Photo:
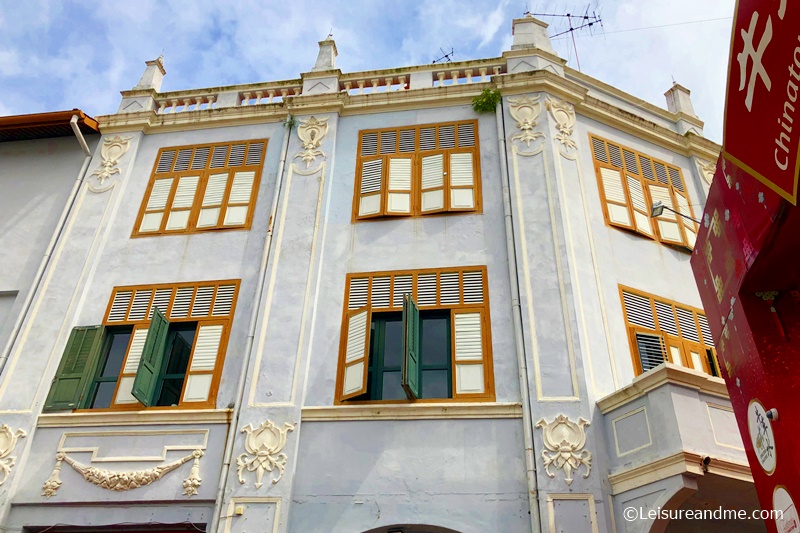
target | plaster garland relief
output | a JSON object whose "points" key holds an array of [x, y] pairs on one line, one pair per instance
{"points": [[8, 441], [111, 152], [565, 441], [311, 133], [564, 115], [525, 110], [264, 445], [124, 480]]}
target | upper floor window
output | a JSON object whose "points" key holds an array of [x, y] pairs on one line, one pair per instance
{"points": [[416, 335], [631, 182], [202, 187], [660, 330], [159, 345], [418, 170]]}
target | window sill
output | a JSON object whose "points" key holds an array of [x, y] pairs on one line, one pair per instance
{"points": [[418, 411], [135, 418]]}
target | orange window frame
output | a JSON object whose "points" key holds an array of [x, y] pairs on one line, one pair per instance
{"points": [[648, 171], [462, 307], [683, 344], [208, 319], [416, 177], [203, 174]]}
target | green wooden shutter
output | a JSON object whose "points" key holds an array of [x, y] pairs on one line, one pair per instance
{"points": [[76, 370], [412, 369], [144, 384]]}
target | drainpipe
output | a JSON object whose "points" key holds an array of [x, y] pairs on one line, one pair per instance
{"points": [[37, 280], [248, 349], [516, 312]]}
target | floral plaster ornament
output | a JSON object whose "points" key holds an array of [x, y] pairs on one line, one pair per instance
{"points": [[264, 445]]}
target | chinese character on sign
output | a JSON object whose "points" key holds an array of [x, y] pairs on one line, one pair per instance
{"points": [[748, 52]]}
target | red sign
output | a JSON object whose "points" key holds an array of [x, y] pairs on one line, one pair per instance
{"points": [[762, 111]]}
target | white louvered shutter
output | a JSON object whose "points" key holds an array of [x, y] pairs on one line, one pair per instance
{"points": [[689, 226], [379, 295], [183, 298], [204, 360], [462, 181], [212, 199], [156, 204], [433, 183], [616, 201], [239, 199], [426, 290], [135, 351], [473, 287], [469, 352], [641, 206], [356, 357], [202, 301], [182, 203], [119, 307], [140, 305], [402, 285], [398, 201], [369, 201], [669, 229], [638, 310], [223, 302], [449, 290]]}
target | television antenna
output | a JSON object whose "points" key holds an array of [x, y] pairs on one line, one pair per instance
{"points": [[445, 57], [574, 23]]}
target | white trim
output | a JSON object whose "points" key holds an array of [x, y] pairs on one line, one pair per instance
{"points": [[551, 508], [134, 418], [413, 411], [647, 423]]}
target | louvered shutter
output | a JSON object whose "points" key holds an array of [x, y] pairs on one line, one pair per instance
{"points": [[433, 183], [212, 200], [144, 385], [205, 356], [239, 199], [411, 378], [156, 205], [356, 353], [690, 228], [128, 374], [651, 350], [76, 370], [615, 199], [469, 360], [370, 188], [182, 203], [640, 206], [669, 229], [462, 181], [398, 198], [697, 357]]}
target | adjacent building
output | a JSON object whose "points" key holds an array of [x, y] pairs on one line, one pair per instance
{"points": [[351, 302]]}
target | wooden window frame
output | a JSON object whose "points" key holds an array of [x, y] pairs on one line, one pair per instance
{"points": [[487, 360], [203, 176], [416, 171], [684, 344], [207, 320], [637, 173]]}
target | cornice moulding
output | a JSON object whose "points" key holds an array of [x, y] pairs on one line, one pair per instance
{"points": [[135, 418], [419, 411], [683, 462], [669, 374]]}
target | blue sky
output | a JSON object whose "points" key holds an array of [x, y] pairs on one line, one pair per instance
{"points": [[61, 54]]}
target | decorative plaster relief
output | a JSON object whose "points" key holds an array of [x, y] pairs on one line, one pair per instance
{"points": [[565, 439], [264, 444], [113, 149], [311, 133], [707, 171], [525, 110], [564, 115], [8, 441], [125, 480]]}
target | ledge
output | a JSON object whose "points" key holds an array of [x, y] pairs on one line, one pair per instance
{"points": [[135, 418], [683, 462], [664, 374], [419, 411]]}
